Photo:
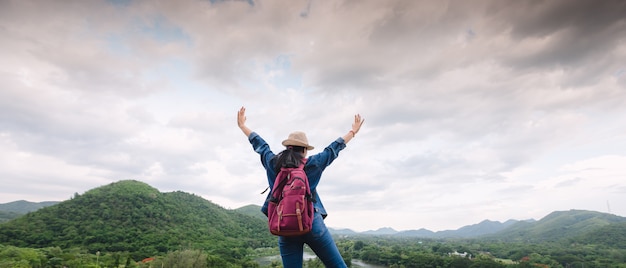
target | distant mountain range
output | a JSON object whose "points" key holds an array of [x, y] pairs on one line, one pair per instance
{"points": [[576, 225], [15, 209], [483, 228], [475, 230], [580, 226], [23, 206]]}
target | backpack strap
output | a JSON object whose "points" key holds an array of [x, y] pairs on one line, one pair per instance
{"points": [[265, 190], [281, 180], [279, 183], [313, 196]]}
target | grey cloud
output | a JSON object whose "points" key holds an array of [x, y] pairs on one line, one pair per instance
{"points": [[578, 33], [572, 34], [454, 94], [543, 18], [78, 132], [397, 41]]}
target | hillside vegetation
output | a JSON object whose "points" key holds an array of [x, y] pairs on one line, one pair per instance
{"points": [[123, 223], [15, 209], [574, 238], [558, 226], [253, 211], [23, 206], [612, 235], [131, 216], [7, 216]]}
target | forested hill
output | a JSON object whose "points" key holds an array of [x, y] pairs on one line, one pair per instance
{"points": [[252, 210], [135, 217], [572, 225]]}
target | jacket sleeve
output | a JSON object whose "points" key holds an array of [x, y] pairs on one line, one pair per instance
{"points": [[317, 163], [263, 149]]}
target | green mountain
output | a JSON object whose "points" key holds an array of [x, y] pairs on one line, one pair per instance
{"points": [[132, 216], [8, 215], [12, 210], [253, 211], [559, 226], [612, 235], [23, 206]]}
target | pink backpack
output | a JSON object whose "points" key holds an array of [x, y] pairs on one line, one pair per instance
{"points": [[290, 208]]}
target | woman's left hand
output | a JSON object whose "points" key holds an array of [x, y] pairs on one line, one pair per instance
{"points": [[241, 117]]}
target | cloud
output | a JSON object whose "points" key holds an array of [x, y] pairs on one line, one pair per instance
{"points": [[473, 110]]}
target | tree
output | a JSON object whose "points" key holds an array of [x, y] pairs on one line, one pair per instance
{"points": [[483, 261], [185, 258]]}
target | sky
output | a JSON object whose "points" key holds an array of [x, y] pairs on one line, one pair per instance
{"points": [[474, 110]]}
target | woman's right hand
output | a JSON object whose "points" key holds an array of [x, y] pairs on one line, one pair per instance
{"points": [[358, 122], [241, 121], [356, 126]]}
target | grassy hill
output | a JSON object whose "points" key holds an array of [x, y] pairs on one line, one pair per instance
{"points": [[131, 216]]}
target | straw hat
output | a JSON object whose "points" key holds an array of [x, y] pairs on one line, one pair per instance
{"points": [[298, 138]]}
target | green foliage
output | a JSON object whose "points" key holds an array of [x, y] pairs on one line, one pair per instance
{"points": [[124, 223], [313, 263], [22, 207], [412, 252], [8, 215], [252, 210], [130, 216], [387, 252], [184, 258], [557, 226], [346, 249], [484, 261], [612, 235], [12, 210], [11, 256]]}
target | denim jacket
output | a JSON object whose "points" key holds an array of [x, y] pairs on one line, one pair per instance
{"points": [[314, 166]]}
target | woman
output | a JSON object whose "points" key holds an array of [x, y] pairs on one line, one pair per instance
{"points": [[297, 145]]}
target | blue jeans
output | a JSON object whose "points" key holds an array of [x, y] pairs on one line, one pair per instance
{"points": [[319, 240]]}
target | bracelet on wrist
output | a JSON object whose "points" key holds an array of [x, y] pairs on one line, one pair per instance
{"points": [[353, 133]]}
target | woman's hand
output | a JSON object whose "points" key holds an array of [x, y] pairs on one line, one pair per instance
{"points": [[241, 121], [358, 122], [356, 126], [241, 117]]}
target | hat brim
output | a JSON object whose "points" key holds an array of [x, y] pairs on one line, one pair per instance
{"points": [[297, 143]]}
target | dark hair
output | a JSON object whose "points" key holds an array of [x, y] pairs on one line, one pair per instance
{"points": [[289, 158]]}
